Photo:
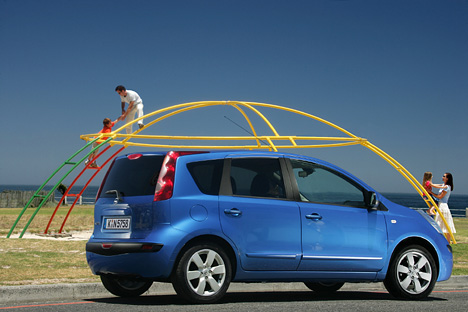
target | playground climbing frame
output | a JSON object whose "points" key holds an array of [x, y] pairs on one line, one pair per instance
{"points": [[272, 142]]}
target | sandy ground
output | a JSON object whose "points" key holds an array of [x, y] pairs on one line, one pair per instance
{"points": [[82, 235]]}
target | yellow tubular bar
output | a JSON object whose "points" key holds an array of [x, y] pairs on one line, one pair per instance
{"points": [[294, 141], [263, 137], [261, 116], [417, 186], [249, 122], [248, 147]]}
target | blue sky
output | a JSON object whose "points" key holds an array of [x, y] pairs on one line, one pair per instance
{"points": [[394, 72]]}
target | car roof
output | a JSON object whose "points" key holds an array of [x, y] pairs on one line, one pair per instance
{"points": [[236, 153], [218, 154]]}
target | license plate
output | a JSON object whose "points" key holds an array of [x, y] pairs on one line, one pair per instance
{"points": [[117, 224]]}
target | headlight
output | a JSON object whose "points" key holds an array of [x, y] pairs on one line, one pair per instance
{"points": [[431, 221]]}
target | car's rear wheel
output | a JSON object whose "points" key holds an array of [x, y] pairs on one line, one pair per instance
{"points": [[324, 287], [125, 287], [203, 274], [412, 274]]}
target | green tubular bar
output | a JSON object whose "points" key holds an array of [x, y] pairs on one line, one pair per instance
{"points": [[45, 197]]}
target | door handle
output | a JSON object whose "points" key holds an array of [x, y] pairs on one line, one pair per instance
{"points": [[314, 216], [233, 212]]}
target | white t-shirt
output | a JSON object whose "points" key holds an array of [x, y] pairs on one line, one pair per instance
{"points": [[131, 96]]}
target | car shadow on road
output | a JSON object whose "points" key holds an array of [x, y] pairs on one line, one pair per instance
{"points": [[246, 297]]}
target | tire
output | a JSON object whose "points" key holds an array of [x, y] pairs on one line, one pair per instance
{"points": [[125, 287], [412, 274], [203, 274], [324, 288]]}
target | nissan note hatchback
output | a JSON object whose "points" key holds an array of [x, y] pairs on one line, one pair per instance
{"points": [[201, 220]]}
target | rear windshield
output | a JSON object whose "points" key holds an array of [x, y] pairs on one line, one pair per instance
{"points": [[135, 177]]}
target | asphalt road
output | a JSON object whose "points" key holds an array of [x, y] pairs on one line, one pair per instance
{"points": [[257, 297], [265, 301]]}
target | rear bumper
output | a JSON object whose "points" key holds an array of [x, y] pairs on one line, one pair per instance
{"points": [[117, 248]]}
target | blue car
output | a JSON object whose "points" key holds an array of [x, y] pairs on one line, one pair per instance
{"points": [[201, 220]]}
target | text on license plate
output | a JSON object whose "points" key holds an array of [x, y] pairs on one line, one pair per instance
{"points": [[117, 224]]}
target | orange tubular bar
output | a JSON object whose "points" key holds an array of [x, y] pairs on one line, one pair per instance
{"points": [[89, 181]]}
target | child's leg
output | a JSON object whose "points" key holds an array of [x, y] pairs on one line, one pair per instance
{"points": [[91, 156]]}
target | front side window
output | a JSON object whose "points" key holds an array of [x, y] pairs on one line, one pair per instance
{"points": [[257, 177], [320, 184]]}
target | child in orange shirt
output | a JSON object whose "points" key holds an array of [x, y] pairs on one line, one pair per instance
{"points": [[108, 124]]}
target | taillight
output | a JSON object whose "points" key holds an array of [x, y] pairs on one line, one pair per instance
{"points": [[165, 185], [106, 246]]}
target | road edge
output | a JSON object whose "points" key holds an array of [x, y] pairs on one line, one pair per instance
{"points": [[58, 292]]}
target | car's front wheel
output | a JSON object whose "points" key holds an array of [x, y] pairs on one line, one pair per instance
{"points": [[412, 274], [125, 287], [203, 274], [324, 287]]}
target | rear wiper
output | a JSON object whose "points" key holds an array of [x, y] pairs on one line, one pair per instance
{"points": [[117, 196]]}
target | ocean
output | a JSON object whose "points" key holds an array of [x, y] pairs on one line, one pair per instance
{"points": [[457, 203]]}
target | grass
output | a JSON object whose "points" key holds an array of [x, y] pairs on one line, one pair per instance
{"points": [[80, 219], [39, 261], [460, 250]]}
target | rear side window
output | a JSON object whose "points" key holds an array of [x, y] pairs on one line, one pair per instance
{"points": [[257, 177], [207, 175], [133, 177]]}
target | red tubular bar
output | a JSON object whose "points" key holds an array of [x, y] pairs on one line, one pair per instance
{"points": [[71, 185], [89, 181]]}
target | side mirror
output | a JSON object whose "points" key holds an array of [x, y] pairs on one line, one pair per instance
{"points": [[306, 172], [373, 203]]}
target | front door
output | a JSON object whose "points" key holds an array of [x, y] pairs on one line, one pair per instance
{"points": [[339, 233]]}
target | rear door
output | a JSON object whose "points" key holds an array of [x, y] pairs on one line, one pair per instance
{"points": [[124, 208], [257, 215]]}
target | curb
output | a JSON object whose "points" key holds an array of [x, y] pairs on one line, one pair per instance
{"points": [[58, 292]]}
